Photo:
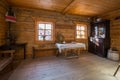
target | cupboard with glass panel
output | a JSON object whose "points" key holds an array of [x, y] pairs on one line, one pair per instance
{"points": [[99, 40]]}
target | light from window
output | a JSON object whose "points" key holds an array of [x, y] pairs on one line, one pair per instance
{"points": [[80, 31], [45, 31]]}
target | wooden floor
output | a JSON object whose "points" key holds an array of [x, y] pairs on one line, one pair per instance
{"points": [[86, 67]]}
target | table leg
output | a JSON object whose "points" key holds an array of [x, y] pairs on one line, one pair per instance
{"points": [[33, 53], [57, 53], [24, 52]]}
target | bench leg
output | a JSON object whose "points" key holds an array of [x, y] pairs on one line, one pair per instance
{"points": [[11, 65]]}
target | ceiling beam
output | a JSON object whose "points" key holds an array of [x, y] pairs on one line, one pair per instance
{"points": [[68, 6]]}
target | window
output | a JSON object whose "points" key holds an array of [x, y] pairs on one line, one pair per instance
{"points": [[81, 31], [44, 31]]}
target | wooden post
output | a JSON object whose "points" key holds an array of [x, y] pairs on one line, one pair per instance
{"points": [[117, 70]]}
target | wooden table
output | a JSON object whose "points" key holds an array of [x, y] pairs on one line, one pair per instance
{"points": [[14, 46], [71, 48]]}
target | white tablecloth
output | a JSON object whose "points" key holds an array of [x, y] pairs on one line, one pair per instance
{"points": [[70, 45]]}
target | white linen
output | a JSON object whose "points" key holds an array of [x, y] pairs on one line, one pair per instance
{"points": [[70, 45]]}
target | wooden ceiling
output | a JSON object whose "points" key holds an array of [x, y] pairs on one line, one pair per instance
{"points": [[77, 7]]}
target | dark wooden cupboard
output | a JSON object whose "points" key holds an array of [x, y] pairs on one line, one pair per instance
{"points": [[99, 40]]}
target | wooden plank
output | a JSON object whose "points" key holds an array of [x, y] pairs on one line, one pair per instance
{"points": [[78, 7], [3, 24], [68, 7]]}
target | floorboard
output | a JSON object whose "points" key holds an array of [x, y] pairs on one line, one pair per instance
{"points": [[86, 67]]}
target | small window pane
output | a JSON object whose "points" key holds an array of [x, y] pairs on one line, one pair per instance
{"points": [[82, 36], [48, 32], [78, 36], [41, 26], [82, 28], [77, 28], [48, 26], [40, 37], [40, 32], [78, 32], [82, 33], [48, 38]]}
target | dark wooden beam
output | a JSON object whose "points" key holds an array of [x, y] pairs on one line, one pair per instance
{"points": [[68, 7]]}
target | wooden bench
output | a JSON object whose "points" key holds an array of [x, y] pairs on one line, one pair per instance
{"points": [[42, 49], [6, 58]]}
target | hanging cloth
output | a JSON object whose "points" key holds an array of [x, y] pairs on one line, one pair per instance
{"points": [[10, 16]]}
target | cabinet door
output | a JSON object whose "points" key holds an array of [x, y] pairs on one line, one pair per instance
{"points": [[100, 49], [91, 47], [100, 30]]}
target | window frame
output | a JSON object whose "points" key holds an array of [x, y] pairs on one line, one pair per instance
{"points": [[86, 30], [36, 32]]}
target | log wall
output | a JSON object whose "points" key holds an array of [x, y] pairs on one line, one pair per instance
{"points": [[3, 23], [114, 27], [25, 31]]}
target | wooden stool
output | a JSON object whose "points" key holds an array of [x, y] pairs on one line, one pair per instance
{"points": [[117, 70]]}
